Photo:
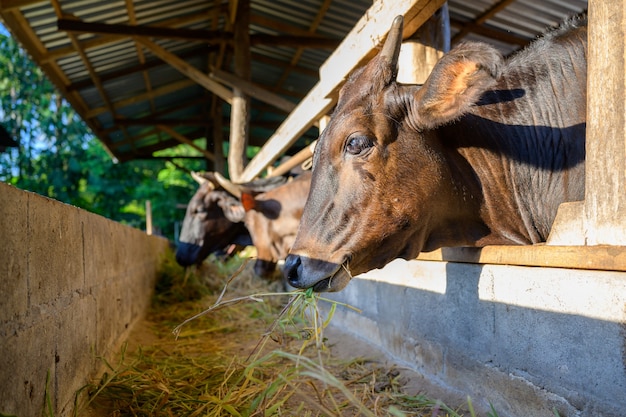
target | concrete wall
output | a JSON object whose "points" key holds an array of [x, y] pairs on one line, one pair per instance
{"points": [[526, 339], [72, 284]]}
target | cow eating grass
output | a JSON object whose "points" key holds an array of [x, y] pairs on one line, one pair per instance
{"points": [[483, 153], [272, 219], [214, 218], [264, 213]]}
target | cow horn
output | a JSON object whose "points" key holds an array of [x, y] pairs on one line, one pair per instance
{"points": [[199, 178], [391, 48], [228, 185]]}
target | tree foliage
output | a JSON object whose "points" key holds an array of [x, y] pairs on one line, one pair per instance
{"points": [[59, 157]]}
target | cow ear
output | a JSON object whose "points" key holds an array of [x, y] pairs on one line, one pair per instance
{"points": [[248, 201], [457, 82]]}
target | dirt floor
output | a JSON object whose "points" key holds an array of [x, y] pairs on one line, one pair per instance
{"points": [[252, 358]]}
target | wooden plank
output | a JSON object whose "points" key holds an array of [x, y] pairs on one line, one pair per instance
{"points": [[187, 70], [366, 35], [604, 258], [605, 169]]}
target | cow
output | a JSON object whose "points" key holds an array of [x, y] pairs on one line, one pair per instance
{"points": [[272, 219], [483, 153], [214, 218]]}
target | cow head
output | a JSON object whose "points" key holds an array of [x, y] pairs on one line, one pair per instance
{"points": [[380, 187], [272, 218], [213, 221]]}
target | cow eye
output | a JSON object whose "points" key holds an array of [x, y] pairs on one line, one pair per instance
{"points": [[358, 144]]}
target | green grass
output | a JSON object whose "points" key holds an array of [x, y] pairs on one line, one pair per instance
{"points": [[242, 347]]}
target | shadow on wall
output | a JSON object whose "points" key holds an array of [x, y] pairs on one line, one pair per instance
{"points": [[494, 332]]}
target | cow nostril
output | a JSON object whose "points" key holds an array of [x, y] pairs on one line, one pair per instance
{"points": [[291, 268]]}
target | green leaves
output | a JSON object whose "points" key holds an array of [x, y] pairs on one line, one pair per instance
{"points": [[59, 157]]}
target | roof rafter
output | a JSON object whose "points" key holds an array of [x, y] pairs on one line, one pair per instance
{"points": [[197, 35]]}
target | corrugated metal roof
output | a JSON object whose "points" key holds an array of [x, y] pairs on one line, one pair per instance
{"points": [[123, 91]]}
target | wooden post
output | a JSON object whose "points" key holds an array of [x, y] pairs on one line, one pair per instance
{"points": [[240, 110], [218, 138], [420, 53], [148, 217], [605, 170]]}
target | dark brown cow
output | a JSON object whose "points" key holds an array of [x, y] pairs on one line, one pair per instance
{"points": [[483, 153], [272, 219]]}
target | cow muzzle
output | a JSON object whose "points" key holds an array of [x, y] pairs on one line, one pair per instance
{"points": [[323, 276], [188, 254]]}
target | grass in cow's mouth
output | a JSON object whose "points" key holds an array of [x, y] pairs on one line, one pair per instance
{"points": [[223, 363]]}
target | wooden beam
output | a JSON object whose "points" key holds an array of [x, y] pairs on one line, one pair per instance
{"points": [[116, 75], [166, 89], [104, 40], [197, 35], [604, 258], [207, 36], [187, 70], [183, 139], [367, 34], [151, 121], [252, 90], [158, 114]]}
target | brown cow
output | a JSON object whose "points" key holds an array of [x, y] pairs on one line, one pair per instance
{"points": [[214, 217], [272, 219], [483, 153]]}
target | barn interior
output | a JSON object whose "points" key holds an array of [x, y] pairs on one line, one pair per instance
{"points": [[229, 76]]}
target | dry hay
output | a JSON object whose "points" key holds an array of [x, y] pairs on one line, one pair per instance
{"points": [[261, 356]]}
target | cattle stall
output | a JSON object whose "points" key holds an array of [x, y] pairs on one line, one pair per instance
{"points": [[529, 329]]}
